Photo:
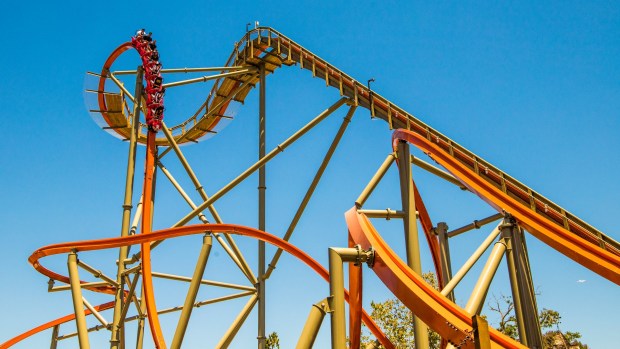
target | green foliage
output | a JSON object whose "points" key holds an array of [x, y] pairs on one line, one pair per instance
{"points": [[434, 340], [431, 279], [549, 318], [558, 340], [396, 321], [272, 341], [507, 324], [572, 336]]}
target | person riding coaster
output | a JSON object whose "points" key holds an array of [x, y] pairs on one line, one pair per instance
{"points": [[147, 49]]}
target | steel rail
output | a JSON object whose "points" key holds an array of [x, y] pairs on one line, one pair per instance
{"points": [[265, 40], [163, 312], [101, 244], [576, 247], [398, 117], [145, 248], [51, 324], [436, 310], [543, 218]]}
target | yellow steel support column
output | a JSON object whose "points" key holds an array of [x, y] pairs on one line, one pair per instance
{"points": [[192, 292], [54, 342], [507, 231], [337, 256], [374, 181], [476, 301], [336, 290], [481, 332], [117, 321], [478, 295], [313, 324], [526, 287], [261, 212], [141, 323], [236, 325], [470, 262], [78, 305], [411, 233], [444, 255]]}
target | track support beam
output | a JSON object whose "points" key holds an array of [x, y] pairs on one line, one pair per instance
{"points": [[522, 287], [261, 209], [470, 262], [479, 294], [337, 256], [375, 180], [280, 148], [232, 250], [444, 255], [476, 224], [117, 320], [78, 304], [192, 292], [481, 332], [315, 182], [54, 343], [313, 324], [410, 222], [236, 325]]}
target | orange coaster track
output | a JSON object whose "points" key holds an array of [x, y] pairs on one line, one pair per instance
{"points": [[547, 221], [94, 245]]}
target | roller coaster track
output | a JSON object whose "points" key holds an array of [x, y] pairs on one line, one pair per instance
{"points": [[266, 47], [94, 245]]}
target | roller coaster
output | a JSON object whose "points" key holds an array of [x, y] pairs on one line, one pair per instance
{"points": [[132, 297]]}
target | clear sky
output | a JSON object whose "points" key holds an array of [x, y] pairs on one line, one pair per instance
{"points": [[532, 87]]}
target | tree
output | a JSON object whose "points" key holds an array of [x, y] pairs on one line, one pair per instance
{"points": [[507, 321], [272, 341], [396, 321], [549, 319]]}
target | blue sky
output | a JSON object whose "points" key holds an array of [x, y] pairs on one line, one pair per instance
{"points": [[532, 87]]}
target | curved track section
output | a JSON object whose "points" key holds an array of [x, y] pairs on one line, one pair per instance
{"points": [[574, 243], [443, 316], [141, 239], [195, 127], [101, 92], [11, 342], [277, 50], [446, 318], [546, 220], [273, 49]]}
